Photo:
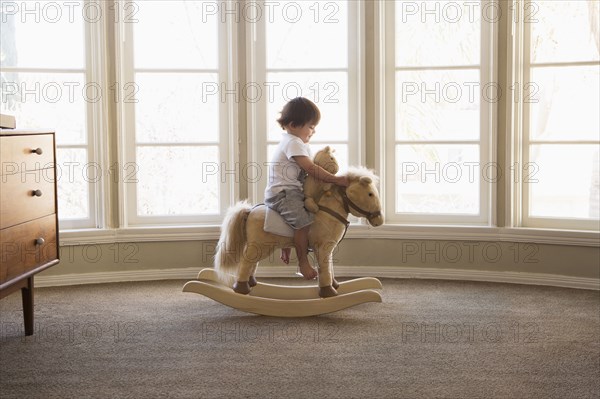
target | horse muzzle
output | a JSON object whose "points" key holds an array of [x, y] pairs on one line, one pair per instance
{"points": [[375, 219]]}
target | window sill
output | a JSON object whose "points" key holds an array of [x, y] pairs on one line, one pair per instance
{"points": [[139, 234], [356, 231], [477, 233]]}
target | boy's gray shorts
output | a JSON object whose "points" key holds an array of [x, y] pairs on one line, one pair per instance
{"points": [[290, 205]]}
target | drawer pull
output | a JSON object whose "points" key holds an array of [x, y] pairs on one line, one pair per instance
{"points": [[40, 241], [38, 151], [36, 193]]}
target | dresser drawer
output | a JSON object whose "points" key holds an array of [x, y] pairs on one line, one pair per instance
{"points": [[21, 253], [26, 196], [18, 153]]}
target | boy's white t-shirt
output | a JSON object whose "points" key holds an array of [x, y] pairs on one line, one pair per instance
{"points": [[284, 172]]}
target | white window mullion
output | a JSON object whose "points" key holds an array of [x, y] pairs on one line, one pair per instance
{"points": [[513, 103], [98, 122], [126, 121], [256, 72], [389, 97], [228, 116], [489, 121], [526, 75], [356, 88]]}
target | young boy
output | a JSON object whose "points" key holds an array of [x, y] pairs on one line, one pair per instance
{"points": [[290, 164]]}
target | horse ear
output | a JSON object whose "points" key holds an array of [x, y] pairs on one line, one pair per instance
{"points": [[366, 180], [327, 149]]}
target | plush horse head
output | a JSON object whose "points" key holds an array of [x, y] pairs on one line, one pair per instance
{"points": [[313, 188], [325, 159], [361, 197]]}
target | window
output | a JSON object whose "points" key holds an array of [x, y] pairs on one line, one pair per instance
{"points": [[560, 102], [48, 81], [176, 118], [309, 49], [440, 97]]}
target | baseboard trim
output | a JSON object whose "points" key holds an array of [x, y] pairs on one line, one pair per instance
{"points": [[341, 271]]}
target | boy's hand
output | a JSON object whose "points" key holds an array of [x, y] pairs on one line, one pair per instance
{"points": [[319, 173]]}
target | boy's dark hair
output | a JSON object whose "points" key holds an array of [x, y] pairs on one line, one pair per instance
{"points": [[299, 112]]}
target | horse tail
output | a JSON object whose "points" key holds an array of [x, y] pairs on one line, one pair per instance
{"points": [[232, 241]]}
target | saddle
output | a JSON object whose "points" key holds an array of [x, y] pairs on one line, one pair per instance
{"points": [[276, 224]]}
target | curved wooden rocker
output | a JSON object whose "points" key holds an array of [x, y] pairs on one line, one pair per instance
{"points": [[286, 301]]}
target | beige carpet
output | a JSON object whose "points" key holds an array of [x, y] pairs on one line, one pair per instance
{"points": [[429, 339]]}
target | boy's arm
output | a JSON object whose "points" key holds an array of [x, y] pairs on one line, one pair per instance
{"points": [[318, 172]]}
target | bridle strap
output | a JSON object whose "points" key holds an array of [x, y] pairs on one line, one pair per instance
{"points": [[336, 215], [348, 203], [339, 217]]}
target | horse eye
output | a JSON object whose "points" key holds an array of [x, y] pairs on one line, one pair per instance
{"points": [[370, 194]]}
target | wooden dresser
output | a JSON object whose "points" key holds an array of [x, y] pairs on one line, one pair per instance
{"points": [[28, 213]]}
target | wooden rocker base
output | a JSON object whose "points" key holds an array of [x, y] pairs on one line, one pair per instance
{"points": [[286, 301]]}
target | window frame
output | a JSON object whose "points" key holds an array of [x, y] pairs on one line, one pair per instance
{"points": [[256, 71], [519, 138], [488, 126], [96, 119], [227, 71]]}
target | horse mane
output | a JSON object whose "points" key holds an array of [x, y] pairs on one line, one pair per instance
{"points": [[356, 172]]}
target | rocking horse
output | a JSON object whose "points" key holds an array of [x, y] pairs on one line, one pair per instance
{"points": [[244, 242]]}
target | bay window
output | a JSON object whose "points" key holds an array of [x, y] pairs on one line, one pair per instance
{"points": [[194, 89]]}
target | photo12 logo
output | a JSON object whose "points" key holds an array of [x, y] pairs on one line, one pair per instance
{"points": [[54, 12], [470, 333], [290, 12], [465, 92], [470, 252], [271, 332], [466, 172], [254, 92], [455, 12], [15, 91], [69, 172], [73, 333]]}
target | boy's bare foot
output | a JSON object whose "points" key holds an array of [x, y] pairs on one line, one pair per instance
{"points": [[307, 271], [285, 255]]}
